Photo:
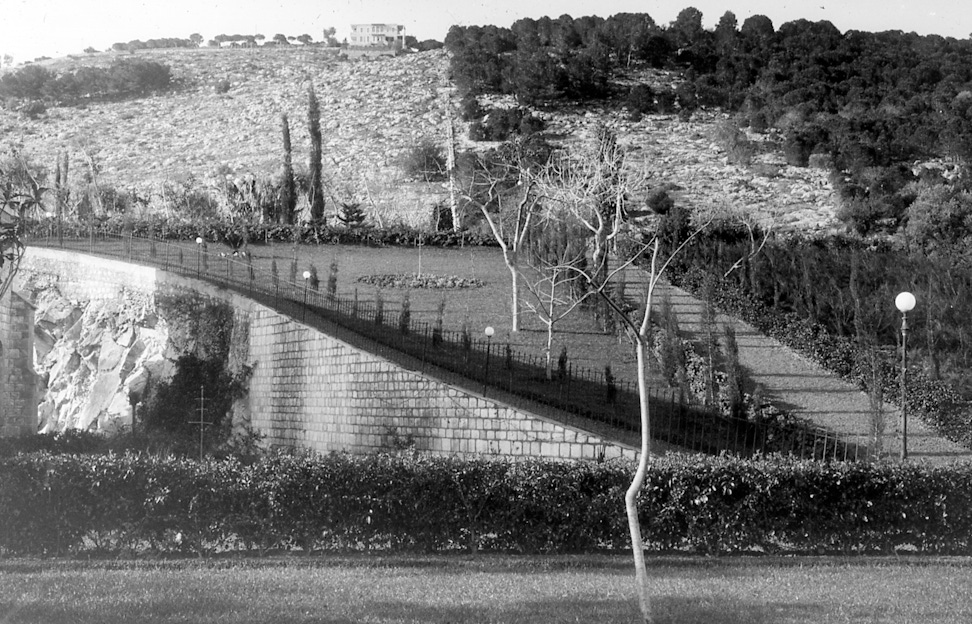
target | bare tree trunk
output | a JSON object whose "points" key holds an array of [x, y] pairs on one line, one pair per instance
{"points": [[550, 327], [510, 257], [451, 168], [637, 483]]}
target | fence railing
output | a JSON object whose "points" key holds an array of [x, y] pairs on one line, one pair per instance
{"points": [[470, 361]]}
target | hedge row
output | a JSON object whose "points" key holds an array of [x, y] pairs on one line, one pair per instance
{"points": [[52, 504], [234, 233]]}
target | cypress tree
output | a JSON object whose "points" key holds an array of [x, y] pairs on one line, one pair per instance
{"points": [[288, 192], [316, 154]]}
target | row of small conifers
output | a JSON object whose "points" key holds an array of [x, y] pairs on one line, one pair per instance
{"points": [[138, 504]]}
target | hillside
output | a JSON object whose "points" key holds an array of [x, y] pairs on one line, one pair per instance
{"points": [[373, 112]]}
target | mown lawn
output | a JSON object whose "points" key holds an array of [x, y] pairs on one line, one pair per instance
{"points": [[486, 589]]}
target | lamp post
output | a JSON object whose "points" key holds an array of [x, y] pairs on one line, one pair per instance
{"points": [[905, 302], [489, 331], [303, 309], [199, 242]]}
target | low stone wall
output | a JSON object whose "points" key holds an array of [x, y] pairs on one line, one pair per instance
{"points": [[315, 391]]}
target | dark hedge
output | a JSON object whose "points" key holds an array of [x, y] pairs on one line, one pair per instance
{"points": [[68, 504]]}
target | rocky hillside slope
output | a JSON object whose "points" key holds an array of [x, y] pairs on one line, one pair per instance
{"points": [[373, 112]]}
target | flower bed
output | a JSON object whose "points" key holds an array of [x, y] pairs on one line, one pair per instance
{"points": [[420, 280]]}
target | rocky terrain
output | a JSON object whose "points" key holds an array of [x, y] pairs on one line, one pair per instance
{"points": [[372, 113], [94, 359]]}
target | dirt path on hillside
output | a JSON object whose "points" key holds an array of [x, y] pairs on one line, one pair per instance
{"points": [[794, 383]]}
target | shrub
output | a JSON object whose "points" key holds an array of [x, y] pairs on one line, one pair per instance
{"points": [[641, 99], [401, 502], [32, 108], [379, 307], [659, 201], [733, 141], [405, 314], [665, 101], [437, 325], [441, 216], [470, 108], [332, 275], [426, 161], [351, 215], [199, 388], [500, 124]]}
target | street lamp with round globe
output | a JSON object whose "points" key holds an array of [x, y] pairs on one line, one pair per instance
{"points": [[489, 331], [303, 308], [199, 242], [905, 302]]}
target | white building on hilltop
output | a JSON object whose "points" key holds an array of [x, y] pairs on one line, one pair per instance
{"points": [[376, 35]]}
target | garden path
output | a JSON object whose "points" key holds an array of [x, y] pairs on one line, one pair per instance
{"points": [[794, 383]]}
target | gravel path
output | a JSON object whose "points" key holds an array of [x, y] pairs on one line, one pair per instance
{"points": [[796, 384]]}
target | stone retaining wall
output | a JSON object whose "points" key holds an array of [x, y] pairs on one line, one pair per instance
{"points": [[311, 390], [18, 384]]}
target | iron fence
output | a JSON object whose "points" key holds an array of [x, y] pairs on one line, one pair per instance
{"points": [[486, 366]]}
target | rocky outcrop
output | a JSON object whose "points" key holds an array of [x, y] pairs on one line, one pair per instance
{"points": [[95, 360]]}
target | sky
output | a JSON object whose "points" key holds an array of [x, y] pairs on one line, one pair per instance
{"points": [[33, 28]]}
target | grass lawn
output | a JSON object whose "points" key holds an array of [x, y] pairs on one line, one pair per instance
{"points": [[478, 308], [455, 589]]}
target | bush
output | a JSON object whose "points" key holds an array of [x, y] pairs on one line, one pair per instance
{"points": [[32, 108], [123, 78], [739, 150], [641, 99], [502, 123], [470, 108], [125, 503], [426, 161]]}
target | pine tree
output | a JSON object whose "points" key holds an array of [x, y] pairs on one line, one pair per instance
{"points": [[351, 215]]}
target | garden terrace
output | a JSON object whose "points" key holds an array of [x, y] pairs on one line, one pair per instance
{"points": [[576, 395]]}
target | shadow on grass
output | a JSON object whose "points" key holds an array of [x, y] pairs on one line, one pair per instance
{"points": [[721, 610], [666, 610]]}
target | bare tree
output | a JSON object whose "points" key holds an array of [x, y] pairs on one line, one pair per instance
{"points": [[501, 187], [639, 329], [592, 184], [589, 187], [553, 280]]}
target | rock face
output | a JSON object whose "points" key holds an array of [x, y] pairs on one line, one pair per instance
{"points": [[95, 360]]}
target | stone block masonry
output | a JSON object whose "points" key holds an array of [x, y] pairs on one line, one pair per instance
{"points": [[314, 391], [310, 390], [18, 383]]}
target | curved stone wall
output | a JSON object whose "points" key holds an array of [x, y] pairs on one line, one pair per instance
{"points": [[315, 391]]}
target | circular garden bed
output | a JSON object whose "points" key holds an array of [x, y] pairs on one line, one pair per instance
{"points": [[420, 280]]}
